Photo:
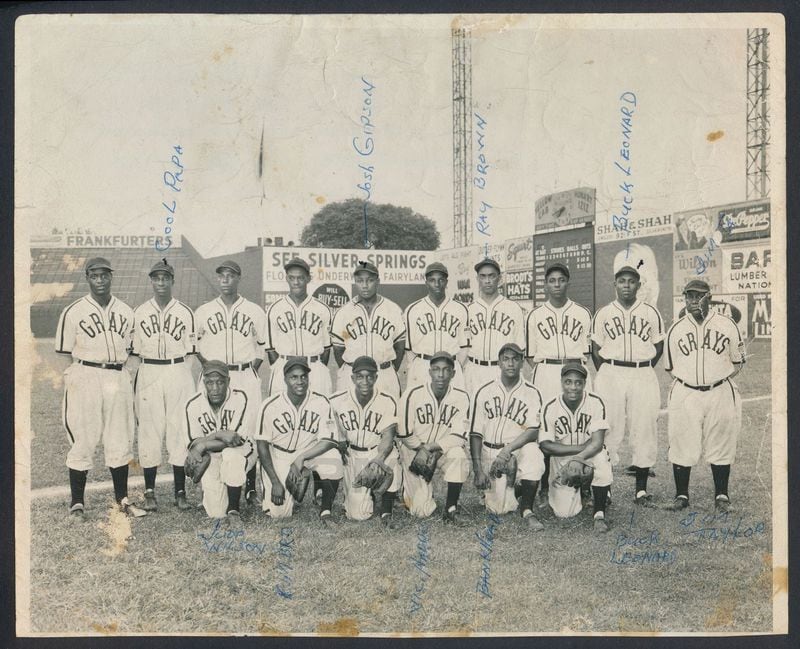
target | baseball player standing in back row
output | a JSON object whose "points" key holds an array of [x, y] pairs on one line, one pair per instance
{"points": [[704, 352], [492, 321], [556, 332], [231, 329], [369, 325], [436, 323], [627, 341], [164, 339], [97, 331], [299, 324]]}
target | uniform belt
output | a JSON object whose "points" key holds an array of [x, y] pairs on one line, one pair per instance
{"points": [[163, 361], [494, 446], [383, 366], [702, 388], [102, 366], [560, 361], [243, 366], [310, 359], [484, 363], [629, 363], [360, 448]]}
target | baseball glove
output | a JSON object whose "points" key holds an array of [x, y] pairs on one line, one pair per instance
{"points": [[376, 476], [576, 473], [506, 467], [196, 468], [297, 482], [424, 462]]}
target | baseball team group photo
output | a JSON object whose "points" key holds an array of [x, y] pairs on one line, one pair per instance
{"points": [[394, 401]]}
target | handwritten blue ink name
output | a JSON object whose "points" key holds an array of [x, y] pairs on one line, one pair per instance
{"points": [[221, 540], [420, 562], [486, 541], [624, 164], [719, 527], [702, 262], [366, 148], [172, 179], [643, 550], [285, 563], [481, 176]]}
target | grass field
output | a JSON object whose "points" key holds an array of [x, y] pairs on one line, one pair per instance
{"points": [[159, 575]]}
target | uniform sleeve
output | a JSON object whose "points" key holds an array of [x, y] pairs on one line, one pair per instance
{"points": [[326, 326], [390, 412], [587, 328], [404, 423], [545, 428], [519, 326], [477, 421], [599, 421], [530, 338], [737, 350], [65, 332], [328, 428], [191, 428], [269, 343], [463, 334], [657, 324], [337, 325], [407, 320], [190, 340], [264, 425], [136, 348], [536, 408], [200, 328], [399, 322], [668, 348], [598, 333], [243, 416], [260, 327]]}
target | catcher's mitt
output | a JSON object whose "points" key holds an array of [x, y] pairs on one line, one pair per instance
{"points": [[297, 482], [424, 462], [576, 473], [376, 476], [506, 467], [196, 468]]}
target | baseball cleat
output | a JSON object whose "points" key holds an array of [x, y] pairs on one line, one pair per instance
{"points": [[150, 504], [723, 504], [252, 498], [600, 526], [234, 518], [644, 499], [387, 520], [542, 499], [127, 507], [327, 520], [533, 523], [180, 501], [454, 519], [77, 512], [318, 497], [677, 505]]}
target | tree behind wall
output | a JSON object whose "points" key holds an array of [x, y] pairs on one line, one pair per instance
{"points": [[389, 227]]}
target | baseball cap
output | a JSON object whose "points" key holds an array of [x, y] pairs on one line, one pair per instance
{"points": [[366, 267], [296, 262], [295, 361], [98, 262], [487, 262], [510, 347], [697, 285], [556, 265], [627, 269], [365, 363], [230, 265], [574, 367], [443, 356], [436, 267], [162, 267], [215, 367]]}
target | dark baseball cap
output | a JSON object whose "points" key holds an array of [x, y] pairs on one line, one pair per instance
{"points": [[510, 347], [98, 262], [556, 265], [229, 265], [697, 285], [366, 267], [443, 356], [574, 367], [436, 267], [215, 367], [365, 363], [295, 361], [627, 269], [487, 262], [296, 262], [162, 267]]}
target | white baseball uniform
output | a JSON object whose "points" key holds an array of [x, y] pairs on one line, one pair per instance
{"points": [[229, 466], [489, 327], [705, 408], [236, 337], [362, 428], [431, 329], [554, 336], [299, 330], [370, 334], [626, 381], [426, 420], [500, 415], [163, 339], [290, 429], [98, 396], [561, 424]]}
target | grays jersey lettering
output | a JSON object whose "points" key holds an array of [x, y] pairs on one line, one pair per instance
{"points": [[209, 425], [309, 422], [173, 326], [309, 322], [570, 327], [516, 411], [94, 326], [562, 427], [427, 323], [500, 322], [639, 327], [425, 414], [349, 421], [688, 342], [380, 326], [239, 322]]}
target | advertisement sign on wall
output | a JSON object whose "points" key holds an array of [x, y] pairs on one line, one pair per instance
{"points": [[570, 208], [747, 268], [760, 305]]}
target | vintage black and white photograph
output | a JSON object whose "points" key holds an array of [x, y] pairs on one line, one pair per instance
{"points": [[343, 325]]}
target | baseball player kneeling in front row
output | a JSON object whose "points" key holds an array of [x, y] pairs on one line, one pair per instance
{"points": [[573, 431], [434, 419], [367, 421], [296, 435], [503, 435], [221, 450]]}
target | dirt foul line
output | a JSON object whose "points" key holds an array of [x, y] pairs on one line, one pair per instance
{"points": [[60, 491]]}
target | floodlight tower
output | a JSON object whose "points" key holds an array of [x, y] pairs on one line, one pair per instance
{"points": [[757, 170], [462, 136]]}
